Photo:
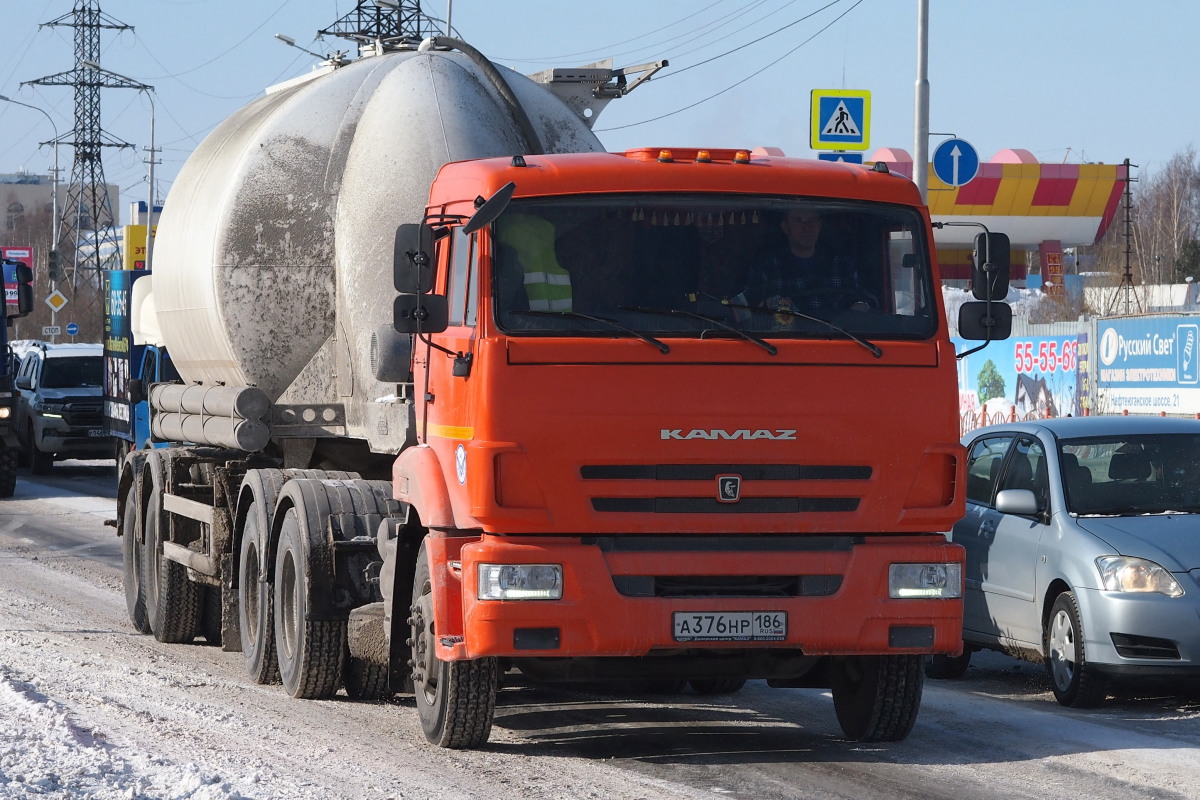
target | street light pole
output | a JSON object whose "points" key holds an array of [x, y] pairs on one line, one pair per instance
{"points": [[921, 110], [148, 90], [54, 226]]}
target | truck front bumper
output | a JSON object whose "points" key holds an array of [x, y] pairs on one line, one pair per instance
{"points": [[631, 597]]}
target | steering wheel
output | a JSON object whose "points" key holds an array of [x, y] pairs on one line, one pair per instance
{"points": [[847, 296]]}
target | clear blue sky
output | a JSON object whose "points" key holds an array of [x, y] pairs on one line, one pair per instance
{"points": [[1069, 80]]}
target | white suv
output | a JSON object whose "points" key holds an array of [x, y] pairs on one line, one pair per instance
{"points": [[60, 411]]}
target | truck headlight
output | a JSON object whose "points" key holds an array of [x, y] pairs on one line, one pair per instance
{"points": [[5, 412], [1125, 574], [925, 580], [520, 581]]}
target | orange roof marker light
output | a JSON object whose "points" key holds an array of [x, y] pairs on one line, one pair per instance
{"points": [[665, 157], [741, 157], [703, 157]]}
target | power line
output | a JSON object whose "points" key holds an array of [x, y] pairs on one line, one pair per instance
{"points": [[738, 83]]}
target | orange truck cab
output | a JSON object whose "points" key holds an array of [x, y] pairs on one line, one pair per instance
{"points": [[668, 433]]}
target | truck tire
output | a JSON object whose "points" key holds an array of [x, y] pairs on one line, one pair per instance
{"points": [[173, 603], [131, 569], [256, 620], [8, 470], [877, 697], [456, 700], [310, 652]]}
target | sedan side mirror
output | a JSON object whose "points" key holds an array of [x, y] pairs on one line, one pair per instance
{"points": [[1021, 502]]}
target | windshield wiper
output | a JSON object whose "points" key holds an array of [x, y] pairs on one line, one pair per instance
{"points": [[675, 312], [871, 346], [612, 323]]}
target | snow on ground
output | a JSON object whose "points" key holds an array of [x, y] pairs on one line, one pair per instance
{"points": [[45, 753]]}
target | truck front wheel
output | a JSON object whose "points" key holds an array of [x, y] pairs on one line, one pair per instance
{"points": [[456, 700], [310, 652], [877, 697]]}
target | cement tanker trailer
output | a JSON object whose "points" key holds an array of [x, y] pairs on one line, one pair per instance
{"points": [[464, 394]]}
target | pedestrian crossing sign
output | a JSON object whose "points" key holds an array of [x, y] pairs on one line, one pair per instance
{"points": [[841, 119]]}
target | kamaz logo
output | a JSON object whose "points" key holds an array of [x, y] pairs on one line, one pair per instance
{"points": [[741, 433]]}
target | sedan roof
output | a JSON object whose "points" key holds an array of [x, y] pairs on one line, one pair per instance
{"points": [[1072, 427]]}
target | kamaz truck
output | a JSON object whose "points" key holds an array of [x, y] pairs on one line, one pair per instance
{"points": [[464, 394]]}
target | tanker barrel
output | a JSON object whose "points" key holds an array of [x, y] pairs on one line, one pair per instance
{"points": [[247, 435], [244, 402]]}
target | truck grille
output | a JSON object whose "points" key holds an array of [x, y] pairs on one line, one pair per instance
{"points": [[83, 414], [802, 500]]}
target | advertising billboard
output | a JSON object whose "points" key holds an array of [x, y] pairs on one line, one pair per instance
{"points": [[1147, 365]]}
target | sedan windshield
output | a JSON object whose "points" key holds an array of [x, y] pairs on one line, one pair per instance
{"points": [[712, 266], [1132, 475]]}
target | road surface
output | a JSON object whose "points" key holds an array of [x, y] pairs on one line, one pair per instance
{"points": [[90, 709]]}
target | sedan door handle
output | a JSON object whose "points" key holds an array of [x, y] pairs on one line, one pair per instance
{"points": [[987, 530]]}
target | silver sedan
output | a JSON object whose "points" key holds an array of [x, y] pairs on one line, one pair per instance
{"points": [[1083, 550]]}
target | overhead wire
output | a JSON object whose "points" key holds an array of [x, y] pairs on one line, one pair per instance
{"points": [[754, 74], [604, 49]]}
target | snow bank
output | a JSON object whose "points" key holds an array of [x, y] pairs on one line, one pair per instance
{"points": [[45, 754]]}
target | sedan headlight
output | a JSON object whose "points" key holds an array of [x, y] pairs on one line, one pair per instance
{"points": [[1125, 574], [520, 581], [925, 581]]}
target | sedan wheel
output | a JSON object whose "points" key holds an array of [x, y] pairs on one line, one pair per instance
{"points": [[1075, 681]]}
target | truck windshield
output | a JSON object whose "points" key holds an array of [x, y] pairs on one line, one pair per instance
{"points": [[774, 267], [73, 372]]}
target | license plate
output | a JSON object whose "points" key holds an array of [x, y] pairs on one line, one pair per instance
{"points": [[730, 626], [97, 433]]}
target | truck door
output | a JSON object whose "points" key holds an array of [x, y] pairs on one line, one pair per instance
{"points": [[448, 407]]}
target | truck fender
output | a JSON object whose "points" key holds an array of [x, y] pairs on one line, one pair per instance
{"points": [[417, 480]]}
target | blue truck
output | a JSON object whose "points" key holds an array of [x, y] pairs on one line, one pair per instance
{"points": [[18, 302], [132, 361]]}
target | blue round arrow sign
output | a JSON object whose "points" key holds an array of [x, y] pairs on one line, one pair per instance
{"points": [[955, 162], [72, 329]]}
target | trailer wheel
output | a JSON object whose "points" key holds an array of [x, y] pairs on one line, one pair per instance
{"points": [[131, 569], [173, 603], [8, 470], [877, 697], [456, 700], [255, 603], [310, 651]]}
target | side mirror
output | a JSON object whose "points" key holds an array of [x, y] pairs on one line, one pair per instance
{"points": [[991, 262], [25, 382], [137, 392], [420, 313], [982, 321], [412, 266], [1017, 501]]}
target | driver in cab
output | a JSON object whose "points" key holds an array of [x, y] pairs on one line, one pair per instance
{"points": [[803, 275]]}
